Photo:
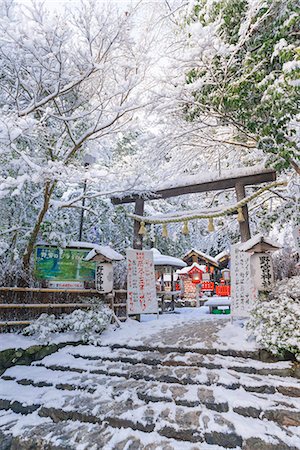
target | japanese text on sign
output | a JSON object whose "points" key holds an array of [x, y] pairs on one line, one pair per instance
{"points": [[141, 292], [241, 286]]}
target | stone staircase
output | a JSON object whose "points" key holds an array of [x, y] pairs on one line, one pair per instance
{"points": [[118, 397]]}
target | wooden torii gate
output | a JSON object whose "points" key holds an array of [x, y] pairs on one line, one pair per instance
{"points": [[237, 182]]}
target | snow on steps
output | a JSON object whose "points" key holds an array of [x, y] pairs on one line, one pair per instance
{"points": [[171, 401], [180, 374], [130, 412], [186, 358]]}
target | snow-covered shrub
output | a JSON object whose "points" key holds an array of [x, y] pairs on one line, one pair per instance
{"points": [[88, 325], [275, 319]]}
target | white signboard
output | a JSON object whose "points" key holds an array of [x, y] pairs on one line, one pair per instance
{"points": [[206, 276], [141, 292], [296, 234], [241, 286], [104, 277], [262, 271], [65, 284]]}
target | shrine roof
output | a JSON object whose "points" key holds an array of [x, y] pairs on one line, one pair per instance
{"points": [[189, 268], [166, 260], [222, 255], [103, 250], [259, 239], [202, 255]]}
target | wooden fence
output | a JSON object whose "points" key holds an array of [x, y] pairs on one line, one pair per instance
{"points": [[20, 306]]}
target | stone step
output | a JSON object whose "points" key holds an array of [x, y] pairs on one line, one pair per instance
{"points": [[173, 374], [115, 396], [215, 398], [244, 365], [259, 354], [179, 423]]}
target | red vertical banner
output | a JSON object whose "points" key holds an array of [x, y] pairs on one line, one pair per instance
{"points": [[141, 292]]}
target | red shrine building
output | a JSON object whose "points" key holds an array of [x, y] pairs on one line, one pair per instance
{"points": [[203, 276]]}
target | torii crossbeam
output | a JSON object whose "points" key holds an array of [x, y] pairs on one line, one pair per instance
{"points": [[247, 177]]}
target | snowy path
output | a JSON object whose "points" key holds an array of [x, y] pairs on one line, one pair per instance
{"points": [[144, 396]]}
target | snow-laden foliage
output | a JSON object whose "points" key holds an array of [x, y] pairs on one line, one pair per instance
{"points": [[275, 318], [100, 100], [71, 84], [88, 325], [245, 72]]}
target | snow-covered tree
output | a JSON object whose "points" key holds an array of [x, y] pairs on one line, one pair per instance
{"points": [[243, 70], [275, 319], [70, 84]]}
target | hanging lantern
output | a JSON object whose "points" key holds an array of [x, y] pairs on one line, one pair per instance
{"points": [[164, 231], [185, 228], [240, 216], [142, 229], [211, 227]]}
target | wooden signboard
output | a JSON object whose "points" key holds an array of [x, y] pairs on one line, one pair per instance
{"points": [[241, 286], [104, 277], [141, 291]]}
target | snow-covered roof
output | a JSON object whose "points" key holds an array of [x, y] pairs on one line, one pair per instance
{"points": [[258, 239], [165, 260], [222, 254], [96, 249], [188, 268], [202, 255]]}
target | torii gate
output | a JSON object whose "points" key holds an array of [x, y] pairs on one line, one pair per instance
{"points": [[237, 182]]}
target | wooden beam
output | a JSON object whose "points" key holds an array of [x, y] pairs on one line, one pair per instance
{"points": [[244, 226], [138, 238], [45, 305], [267, 175], [70, 291]]}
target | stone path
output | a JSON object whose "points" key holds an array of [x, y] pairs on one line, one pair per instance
{"points": [[147, 397]]}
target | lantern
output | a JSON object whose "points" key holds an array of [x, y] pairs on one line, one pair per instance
{"points": [[196, 275], [196, 278]]}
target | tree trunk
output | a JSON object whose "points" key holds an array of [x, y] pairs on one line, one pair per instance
{"points": [[36, 229], [295, 166]]}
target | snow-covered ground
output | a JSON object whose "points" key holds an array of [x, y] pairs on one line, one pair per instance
{"points": [[163, 383], [17, 340], [223, 334]]}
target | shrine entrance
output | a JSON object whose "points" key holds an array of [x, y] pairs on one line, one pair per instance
{"points": [[247, 177]]}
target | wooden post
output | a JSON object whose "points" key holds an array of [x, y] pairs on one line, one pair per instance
{"points": [[138, 238], [162, 288], [244, 226], [172, 289]]}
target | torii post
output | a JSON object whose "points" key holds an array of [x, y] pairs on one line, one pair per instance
{"points": [[234, 182]]}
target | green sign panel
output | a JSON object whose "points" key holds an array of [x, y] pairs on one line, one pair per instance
{"points": [[53, 263]]}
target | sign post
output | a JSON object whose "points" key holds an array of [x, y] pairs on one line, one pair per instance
{"points": [[241, 286], [141, 291]]}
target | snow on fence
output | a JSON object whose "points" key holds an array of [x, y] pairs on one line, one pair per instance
{"points": [[19, 306]]}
